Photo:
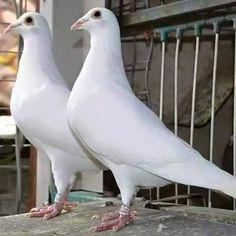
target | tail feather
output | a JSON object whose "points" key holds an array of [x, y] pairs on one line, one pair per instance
{"points": [[198, 172]]}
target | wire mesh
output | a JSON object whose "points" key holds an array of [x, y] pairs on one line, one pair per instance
{"points": [[9, 58], [191, 117]]}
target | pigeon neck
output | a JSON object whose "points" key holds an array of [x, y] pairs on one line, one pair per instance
{"points": [[37, 58], [107, 48], [38, 46], [105, 57]]}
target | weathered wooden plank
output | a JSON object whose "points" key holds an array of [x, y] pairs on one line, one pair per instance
{"points": [[171, 221]]}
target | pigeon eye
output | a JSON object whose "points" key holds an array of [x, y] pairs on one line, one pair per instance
{"points": [[97, 14], [29, 20]]}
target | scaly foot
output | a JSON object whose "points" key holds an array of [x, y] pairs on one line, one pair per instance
{"points": [[47, 211], [106, 216], [53, 210], [114, 220], [115, 224]]}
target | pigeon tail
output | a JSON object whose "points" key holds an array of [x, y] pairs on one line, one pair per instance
{"points": [[198, 172]]}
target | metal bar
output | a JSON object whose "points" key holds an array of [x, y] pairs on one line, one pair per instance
{"points": [[173, 10], [194, 90], [147, 3], [176, 86], [13, 167], [18, 11], [134, 62], [137, 63], [176, 99], [121, 9], [149, 103], [193, 100], [136, 69], [16, 8], [163, 49], [4, 23], [213, 108], [132, 5], [8, 80], [25, 8], [162, 2], [8, 52], [19, 170], [234, 111]]}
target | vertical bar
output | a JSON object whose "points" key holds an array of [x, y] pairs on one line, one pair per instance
{"points": [[16, 8], [25, 8], [18, 143], [163, 49], [19, 11], [176, 87], [234, 111], [213, 107], [147, 71], [162, 2], [176, 99], [109, 4], [134, 62], [193, 98], [194, 90], [132, 5], [147, 4], [121, 10]]}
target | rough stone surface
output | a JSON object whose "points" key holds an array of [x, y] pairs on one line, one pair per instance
{"points": [[178, 221]]}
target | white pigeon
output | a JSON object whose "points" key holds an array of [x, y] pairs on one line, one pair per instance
{"points": [[38, 105], [119, 130]]}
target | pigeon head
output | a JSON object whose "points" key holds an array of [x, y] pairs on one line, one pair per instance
{"points": [[29, 22], [97, 19]]}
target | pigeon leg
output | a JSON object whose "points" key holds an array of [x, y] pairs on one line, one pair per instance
{"points": [[116, 223]]}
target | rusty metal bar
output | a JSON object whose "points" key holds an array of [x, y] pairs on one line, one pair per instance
{"points": [[133, 63], [173, 10], [8, 52], [149, 103], [234, 109]]}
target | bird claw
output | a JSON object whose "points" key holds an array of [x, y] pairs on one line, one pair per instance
{"points": [[47, 211], [51, 211], [69, 206], [106, 216], [110, 216], [114, 224], [96, 217]]}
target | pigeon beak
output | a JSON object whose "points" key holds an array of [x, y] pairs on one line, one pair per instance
{"points": [[11, 27], [78, 24]]}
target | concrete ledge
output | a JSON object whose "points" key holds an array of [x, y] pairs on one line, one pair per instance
{"points": [[176, 221]]}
